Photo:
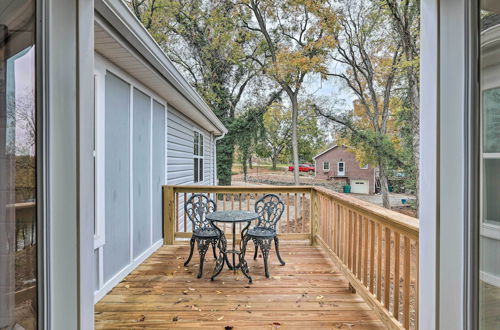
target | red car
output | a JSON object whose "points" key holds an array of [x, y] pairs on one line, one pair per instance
{"points": [[304, 168]]}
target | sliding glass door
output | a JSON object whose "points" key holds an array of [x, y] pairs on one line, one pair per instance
{"points": [[18, 180]]}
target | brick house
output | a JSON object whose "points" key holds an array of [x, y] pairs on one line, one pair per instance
{"points": [[339, 163]]}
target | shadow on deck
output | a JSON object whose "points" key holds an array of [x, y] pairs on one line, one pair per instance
{"points": [[308, 293]]}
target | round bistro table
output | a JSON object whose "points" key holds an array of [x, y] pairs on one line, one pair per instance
{"points": [[233, 217]]}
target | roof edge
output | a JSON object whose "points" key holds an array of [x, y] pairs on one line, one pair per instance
{"points": [[324, 152]]}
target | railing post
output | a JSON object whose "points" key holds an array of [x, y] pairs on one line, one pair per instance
{"points": [[168, 215], [315, 216]]}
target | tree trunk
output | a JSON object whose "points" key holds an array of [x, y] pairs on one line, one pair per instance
{"points": [[384, 186], [250, 161], [295, 144], [245, 168], [274, 160], [225, 151]]}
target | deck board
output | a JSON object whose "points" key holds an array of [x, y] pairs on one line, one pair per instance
{"points": [[307, 293]]}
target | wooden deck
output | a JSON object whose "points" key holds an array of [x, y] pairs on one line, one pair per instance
{"points": [[307, 293]]}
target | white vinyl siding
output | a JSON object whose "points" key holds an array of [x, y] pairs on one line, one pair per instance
{"points": [[180, 146]]}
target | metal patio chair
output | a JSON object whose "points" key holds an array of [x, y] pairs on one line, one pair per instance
{"points": [[269, 208], [204, 233]]}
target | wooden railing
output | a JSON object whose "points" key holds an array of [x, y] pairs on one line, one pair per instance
{"points": [[295, 223], [375, 248]]}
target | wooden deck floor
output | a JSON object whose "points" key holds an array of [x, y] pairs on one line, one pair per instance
{"points": [[307, 293]]}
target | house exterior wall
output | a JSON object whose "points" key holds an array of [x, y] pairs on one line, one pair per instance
{"points": [[352, 167], [180, 164]]}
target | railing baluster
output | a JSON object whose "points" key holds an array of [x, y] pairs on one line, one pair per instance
{"points": [[372, 255], [303, 213], [417, 262], [365, 252], [288, 213], [353, 246], [406, 289], [387, 268], [295, 214], [379, 262], [359, 241], [396, 275], [176, 207], [184, 213]]}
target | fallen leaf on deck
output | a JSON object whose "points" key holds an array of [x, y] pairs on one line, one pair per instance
{"points": [[191, 289], [142, 318], [179, 257], [185, 292], [277, 277], [228, 327], [220, 318], [218, 292], [319, 297], [175, 319], [127, 286]]}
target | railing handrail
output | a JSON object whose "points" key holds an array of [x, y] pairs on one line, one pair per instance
{"points": [[246, 189], [403, 223]]}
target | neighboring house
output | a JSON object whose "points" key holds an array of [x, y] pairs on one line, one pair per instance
{"points": [[339, 163]]}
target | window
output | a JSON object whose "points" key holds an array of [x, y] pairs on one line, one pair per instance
{"points": [[198, 156], [326, 166], [363, 167], [489, 235], [340, 168], [19, 145]]}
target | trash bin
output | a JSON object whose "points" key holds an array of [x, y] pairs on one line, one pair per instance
{"points": [[391, 188], [347, 189]]}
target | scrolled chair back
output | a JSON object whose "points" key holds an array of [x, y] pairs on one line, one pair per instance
{"points": [[197, 207], [269, 208]]}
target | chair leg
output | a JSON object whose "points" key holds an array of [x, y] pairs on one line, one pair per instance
{"points": [[265, 246], [256, 251], [244, 245], [213, 248], [191, 243], [277, 246], [203, 246]]}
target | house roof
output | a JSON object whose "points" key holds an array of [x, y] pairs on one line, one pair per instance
{"points": [[324, 152], [118, 31]]}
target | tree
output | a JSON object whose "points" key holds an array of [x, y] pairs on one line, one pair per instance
{"points": [[405, 18], [249, 128], [277, 128], [277, 133], [370, 57], [296, 36], [204, 40]]}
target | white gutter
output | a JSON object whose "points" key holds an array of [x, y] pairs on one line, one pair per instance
{"points": [[216, 180]]}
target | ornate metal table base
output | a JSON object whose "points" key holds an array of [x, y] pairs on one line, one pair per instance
{"points": [[223, 255]]}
